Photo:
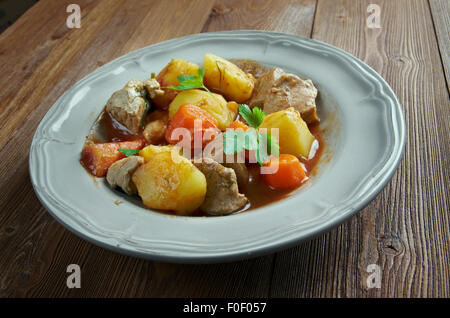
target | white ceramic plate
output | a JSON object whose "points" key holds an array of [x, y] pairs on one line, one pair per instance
{"points": [[364, 132]]}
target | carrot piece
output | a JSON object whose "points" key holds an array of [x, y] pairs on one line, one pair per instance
{"points": [[238, 124], [98, 157], [290, 173], [185, 118]]}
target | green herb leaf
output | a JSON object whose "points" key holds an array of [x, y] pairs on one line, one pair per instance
{"points": [[261, 156], [190, 81], [258, 115], [251, 139], [264, 144], [253, 118], [233, 142], [271, 143], [246, 113], [129, 152]]}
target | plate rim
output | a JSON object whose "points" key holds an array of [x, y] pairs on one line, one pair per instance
{"points": [[220, 256]]}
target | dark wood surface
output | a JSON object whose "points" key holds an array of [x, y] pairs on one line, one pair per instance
{"points": [[405, 229]]}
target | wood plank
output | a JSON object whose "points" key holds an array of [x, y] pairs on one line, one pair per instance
{"points": [[440, 11], [178, 21], [405, 230], [47, 74], [36, 248], [18, 58], [289, 16]]}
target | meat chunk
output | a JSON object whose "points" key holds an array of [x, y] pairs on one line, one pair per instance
{"points": [[241, 171], [277, 90], [120, 173], [154, 132], [153, 88], [222, 193], [250, 66], [128, 105], [236, 162]]}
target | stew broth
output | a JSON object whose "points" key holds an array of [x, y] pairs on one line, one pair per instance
{"points": [[257, 192]]}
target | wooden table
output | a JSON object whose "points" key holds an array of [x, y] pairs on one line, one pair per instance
{"points": [[404, 230]]}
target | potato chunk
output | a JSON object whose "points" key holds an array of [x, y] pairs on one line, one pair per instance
{"points": [[214, 104], [168, 181], [225, 77], [148, 152], [294, 135], [169, 77]]}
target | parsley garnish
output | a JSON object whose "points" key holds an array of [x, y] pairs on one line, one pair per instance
{"points": [[236, 141], [273, 147], [190, 81], [253, 118], [129, 152]]}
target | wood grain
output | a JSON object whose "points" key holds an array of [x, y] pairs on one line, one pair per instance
{"points": [[263, 15], [440, 11], [405, 229]]}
